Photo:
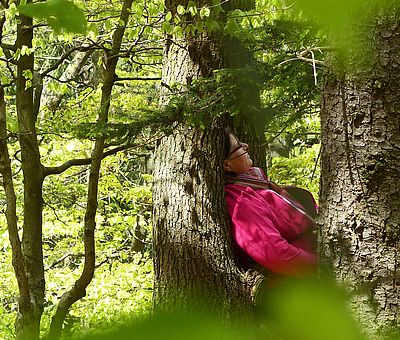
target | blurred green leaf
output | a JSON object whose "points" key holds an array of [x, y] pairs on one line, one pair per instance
{"points": [[59, 14], [177, 326], [348, 24], [309, 309]]}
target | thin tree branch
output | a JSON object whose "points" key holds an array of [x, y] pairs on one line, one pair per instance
{"points": [[59, 261], [68, 81], [65, 56], [301, 56], [81, 161], [103, 19], [136, 78]]}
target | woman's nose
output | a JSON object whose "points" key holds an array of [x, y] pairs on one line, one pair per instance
{"points": [[245, 146]]}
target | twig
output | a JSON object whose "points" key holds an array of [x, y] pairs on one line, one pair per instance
{"points": [[136, 78], [315, 165], [301, 56]]}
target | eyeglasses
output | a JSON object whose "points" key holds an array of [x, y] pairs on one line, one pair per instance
{"points": [[240, 146]]}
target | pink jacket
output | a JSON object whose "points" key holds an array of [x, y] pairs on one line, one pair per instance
{"points": [[271, 230]]}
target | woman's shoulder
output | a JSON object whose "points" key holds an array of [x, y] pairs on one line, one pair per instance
{"points": [[238, 191]]}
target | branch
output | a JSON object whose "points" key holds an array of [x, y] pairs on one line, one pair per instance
{"points": [[145, 64], [9, 61], [68, 81], [142, 30], [127, 53], [301, 56], [9, 47], [56, 170], [63, 258], [65, 56], [52, 99], [136, 78], [104, 19]]}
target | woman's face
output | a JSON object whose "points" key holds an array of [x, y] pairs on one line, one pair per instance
{"points": [[238, 160]]}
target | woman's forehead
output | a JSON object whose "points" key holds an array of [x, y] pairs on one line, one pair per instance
{"points": [[234, 140]]}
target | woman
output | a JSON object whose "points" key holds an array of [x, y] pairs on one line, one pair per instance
{"points": [[268, 225]]}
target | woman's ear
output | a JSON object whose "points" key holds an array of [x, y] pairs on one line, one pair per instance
{"points": [[226, 166]]}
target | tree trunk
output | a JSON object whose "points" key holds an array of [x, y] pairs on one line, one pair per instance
{"points": [[28, 323], [360, 198], [25, 305], [193, 259]]}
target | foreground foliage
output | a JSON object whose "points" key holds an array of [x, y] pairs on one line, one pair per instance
{"points": [[297, 310]]}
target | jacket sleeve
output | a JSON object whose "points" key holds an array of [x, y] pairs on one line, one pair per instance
{"points": [[254, 230]]}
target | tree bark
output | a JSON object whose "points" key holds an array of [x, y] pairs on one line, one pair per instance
{"points": [[360, 196], [33, 182], [193, 257], [194, 262], [18, 262]]}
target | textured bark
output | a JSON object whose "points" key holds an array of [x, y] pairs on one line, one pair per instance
{"points": [[194, 262], [18, 262], [11, 206], [360, 196], [200, 56], [27, 325], [79, 289]]}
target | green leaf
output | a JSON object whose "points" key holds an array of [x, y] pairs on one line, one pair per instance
{"points": [[231, 27], [168, 16], [11, 11], [213, 25], [200, 26], [204, 12], [27, 74], [167, 27], [177, 30], [59, 14], [181, 10], [177, 19], [28, 84], [192, 8], [25, 50]]}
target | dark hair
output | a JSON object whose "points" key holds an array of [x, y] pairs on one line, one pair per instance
{"points": [[227, 142]]}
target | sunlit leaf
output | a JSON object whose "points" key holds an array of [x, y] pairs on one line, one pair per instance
{"points": [[181, 10], [205, 12]]}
